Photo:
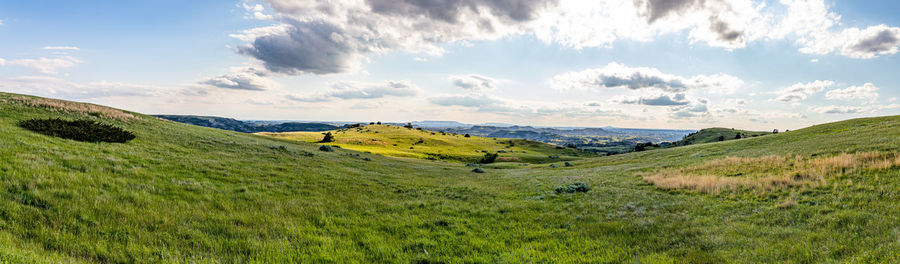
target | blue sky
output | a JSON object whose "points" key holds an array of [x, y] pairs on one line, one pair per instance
{"points": [[649, 63]]}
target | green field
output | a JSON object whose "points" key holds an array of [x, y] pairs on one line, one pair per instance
{"points": [[403, 142], [187, 194]]}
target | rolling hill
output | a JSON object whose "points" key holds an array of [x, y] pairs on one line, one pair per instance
{"points": [[716, 134], [403, 142], [179, 193]]}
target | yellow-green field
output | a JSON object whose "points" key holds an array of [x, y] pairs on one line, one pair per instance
{"points": [[403, 142]]}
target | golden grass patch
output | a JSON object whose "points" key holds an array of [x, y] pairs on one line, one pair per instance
{"points": [[85, 108], [769, 172]]}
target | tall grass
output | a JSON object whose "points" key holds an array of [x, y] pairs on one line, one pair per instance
{"points": [[769, 172], [83, 108]]}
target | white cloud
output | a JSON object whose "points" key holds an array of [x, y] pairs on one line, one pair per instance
{"points": [[335, 36], [841, 109], [801, 91], [654, 100], [60, 48], [856, 43], [616, 75], [867, 91], [256, 11], [361, 90], [242, 78], [44, 65], [474, 82], [322, 37], [726, 23], [817, 31], [61, 88]]}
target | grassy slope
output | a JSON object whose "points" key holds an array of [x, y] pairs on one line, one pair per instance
{"points": [[709, 135], [397, 141], [182, 193]]}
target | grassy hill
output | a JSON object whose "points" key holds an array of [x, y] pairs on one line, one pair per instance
{"points": [[397, 141], [185, 194], [709, 135]]}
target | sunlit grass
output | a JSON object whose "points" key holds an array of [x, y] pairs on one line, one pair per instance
{"points": [[769, 172], [403, 142]]}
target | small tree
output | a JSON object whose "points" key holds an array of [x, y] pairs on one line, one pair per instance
{"points": [[467, 135], [372, 123], [408, 125], [775, 131], [328, 138], [379, 122], [738, 136], [721, 138]]}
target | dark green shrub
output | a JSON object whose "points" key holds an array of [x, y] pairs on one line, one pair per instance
{"points": [[478, 170], [80, 130], [573, 188], [489, 158], [326, 148]]}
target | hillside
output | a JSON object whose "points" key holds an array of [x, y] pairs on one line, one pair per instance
{"points": [[178, 193], [246, 127], [397, 141], [716, 134]]}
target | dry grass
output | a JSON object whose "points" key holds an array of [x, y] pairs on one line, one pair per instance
{"points": [[88, 109], [769, 172], [787, 203]]}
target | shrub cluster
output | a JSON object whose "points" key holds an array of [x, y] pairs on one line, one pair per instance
{"points": [[489, 158], [80, 130], [573, 188]]}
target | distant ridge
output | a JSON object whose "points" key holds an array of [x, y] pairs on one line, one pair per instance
{"points": [[244, 126]]}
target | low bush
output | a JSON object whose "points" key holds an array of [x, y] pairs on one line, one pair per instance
{"points": [[80, 130], [326, 148], [573, 188]]}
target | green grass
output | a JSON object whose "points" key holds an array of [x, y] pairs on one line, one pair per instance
{"points": [[185, 194], [709, 135], [395, 141]]}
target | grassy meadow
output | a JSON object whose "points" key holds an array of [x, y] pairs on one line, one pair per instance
{"points": [[395, 141], [186, 194]]}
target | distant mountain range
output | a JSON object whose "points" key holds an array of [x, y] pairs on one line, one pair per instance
{"points": [[247, 126]]}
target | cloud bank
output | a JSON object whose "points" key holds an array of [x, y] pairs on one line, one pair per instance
{"points": [[615, 75], [361, 90]]}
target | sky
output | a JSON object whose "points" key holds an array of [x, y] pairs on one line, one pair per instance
{"points": [[681, 64]]}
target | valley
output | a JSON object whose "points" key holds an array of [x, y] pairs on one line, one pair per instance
{"points": [[179, 193]]}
